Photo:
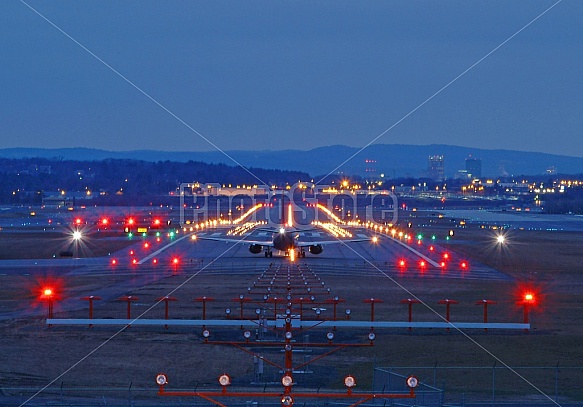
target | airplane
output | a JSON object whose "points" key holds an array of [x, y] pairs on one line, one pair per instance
{"points": [[285, 240]]}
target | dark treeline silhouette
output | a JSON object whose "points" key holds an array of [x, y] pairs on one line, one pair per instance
{"points": [[117, 181]]}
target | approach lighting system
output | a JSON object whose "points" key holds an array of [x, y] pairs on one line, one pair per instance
{"points": [[287, 380], [412, 382], [500, 239], [349, 381], [287, 400], [375, 239], [77, 235], [161, 380], [224, 380]]}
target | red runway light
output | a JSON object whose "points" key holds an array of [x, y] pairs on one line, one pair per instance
{"points": [[156, 221], [443, 264], [130, 221], [431, 248], [155, 261], [402, 263], [78, 221], [135, 261], [146, 245], [422, 264], [104, 221], [47, 292], [158, 239], [114, 262], [446, 256], [131, 252], [175, 260], [464, 265]]}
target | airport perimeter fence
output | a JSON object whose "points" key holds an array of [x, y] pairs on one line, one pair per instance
{"points": [[448, 386]]}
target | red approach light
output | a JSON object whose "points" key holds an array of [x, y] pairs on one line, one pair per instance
{"points": [[175, 260], [78, 221], [529, 298], [464, 265], [113, 262], [48, 292]]}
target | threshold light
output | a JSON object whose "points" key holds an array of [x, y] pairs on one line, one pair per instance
{"points": [[349, 381], [161, 380], [224, 380]]}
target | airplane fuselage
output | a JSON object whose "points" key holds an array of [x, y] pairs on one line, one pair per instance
{"points": [[284, 241]]}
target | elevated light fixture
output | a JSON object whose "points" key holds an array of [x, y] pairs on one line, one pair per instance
{"points": [[412, 382], [224, 380], [287, 380], [349, 381], [161, 380]]}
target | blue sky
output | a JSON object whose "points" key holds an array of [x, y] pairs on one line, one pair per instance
{"points": [[291, 75]]}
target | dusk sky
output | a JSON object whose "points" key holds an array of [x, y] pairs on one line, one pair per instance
{"points": [[275, 75]]}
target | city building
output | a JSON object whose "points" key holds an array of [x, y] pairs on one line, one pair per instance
{"points": [[435, 168], [474, 167]]}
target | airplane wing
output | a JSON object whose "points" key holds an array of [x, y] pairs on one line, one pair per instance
{"points": [[239, 241], [336, 241]]}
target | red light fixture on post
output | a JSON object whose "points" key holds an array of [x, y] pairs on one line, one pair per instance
{"points": [[410, 303], [166, 300], [90, 298], [447, 304], [485, 303]]}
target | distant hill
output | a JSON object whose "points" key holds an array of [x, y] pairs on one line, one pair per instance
{"points": [[394, 160]]}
